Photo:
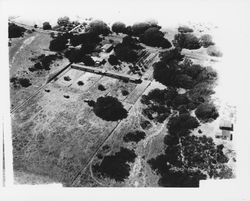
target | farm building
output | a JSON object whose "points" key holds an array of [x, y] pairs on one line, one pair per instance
{"points": [[226, 125], [107, 48]]}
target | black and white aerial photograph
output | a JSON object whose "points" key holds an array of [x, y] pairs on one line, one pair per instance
{"points": [[124, 94]]}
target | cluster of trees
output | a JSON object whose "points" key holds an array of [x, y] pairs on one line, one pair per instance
{"points": [[126, 51], [148, 32], [64, 24], [43, 61], [188, 159], [76, 55], [109, 109], [20, 82], [15, 31], [98, 27], [116, 166], [134, 136], [186, 40], [60, 42]]}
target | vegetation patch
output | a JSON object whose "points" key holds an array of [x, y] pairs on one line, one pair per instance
{"points": [[43, 62], [116, 166], [16, 31], [109, 109], [135, 136], [20, 82]]}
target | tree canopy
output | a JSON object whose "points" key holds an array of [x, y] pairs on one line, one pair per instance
{"points": [[109, 109], [119, 27]]}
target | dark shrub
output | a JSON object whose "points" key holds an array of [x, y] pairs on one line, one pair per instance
{"points": [[182, 124], [15, 31], [135, 136], [125, 92], [80, 83], [46, 26], [188, 41], [119, 27], [101, 87], [23, 82], [109, 109], [206, 112]]}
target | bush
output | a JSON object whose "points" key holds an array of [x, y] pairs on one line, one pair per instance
{"points": [[119, 27], [109, 109], [15, 31], [155, 38], [188, 41], [182, 124], [46, 26], [206, 112], [135, 136]]}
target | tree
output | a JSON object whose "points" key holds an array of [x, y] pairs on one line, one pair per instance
{"points": [[63, 21], [15, 31], [109, 109], [99, 27], [171, 55], [166, 73], [75, 55], [113, 60], [88, 61], [46, 26], [188, 41], [125, 53], [139, 28], [155, 38], [119, 27], [206, 112], [58, 44], [182, 125]]}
